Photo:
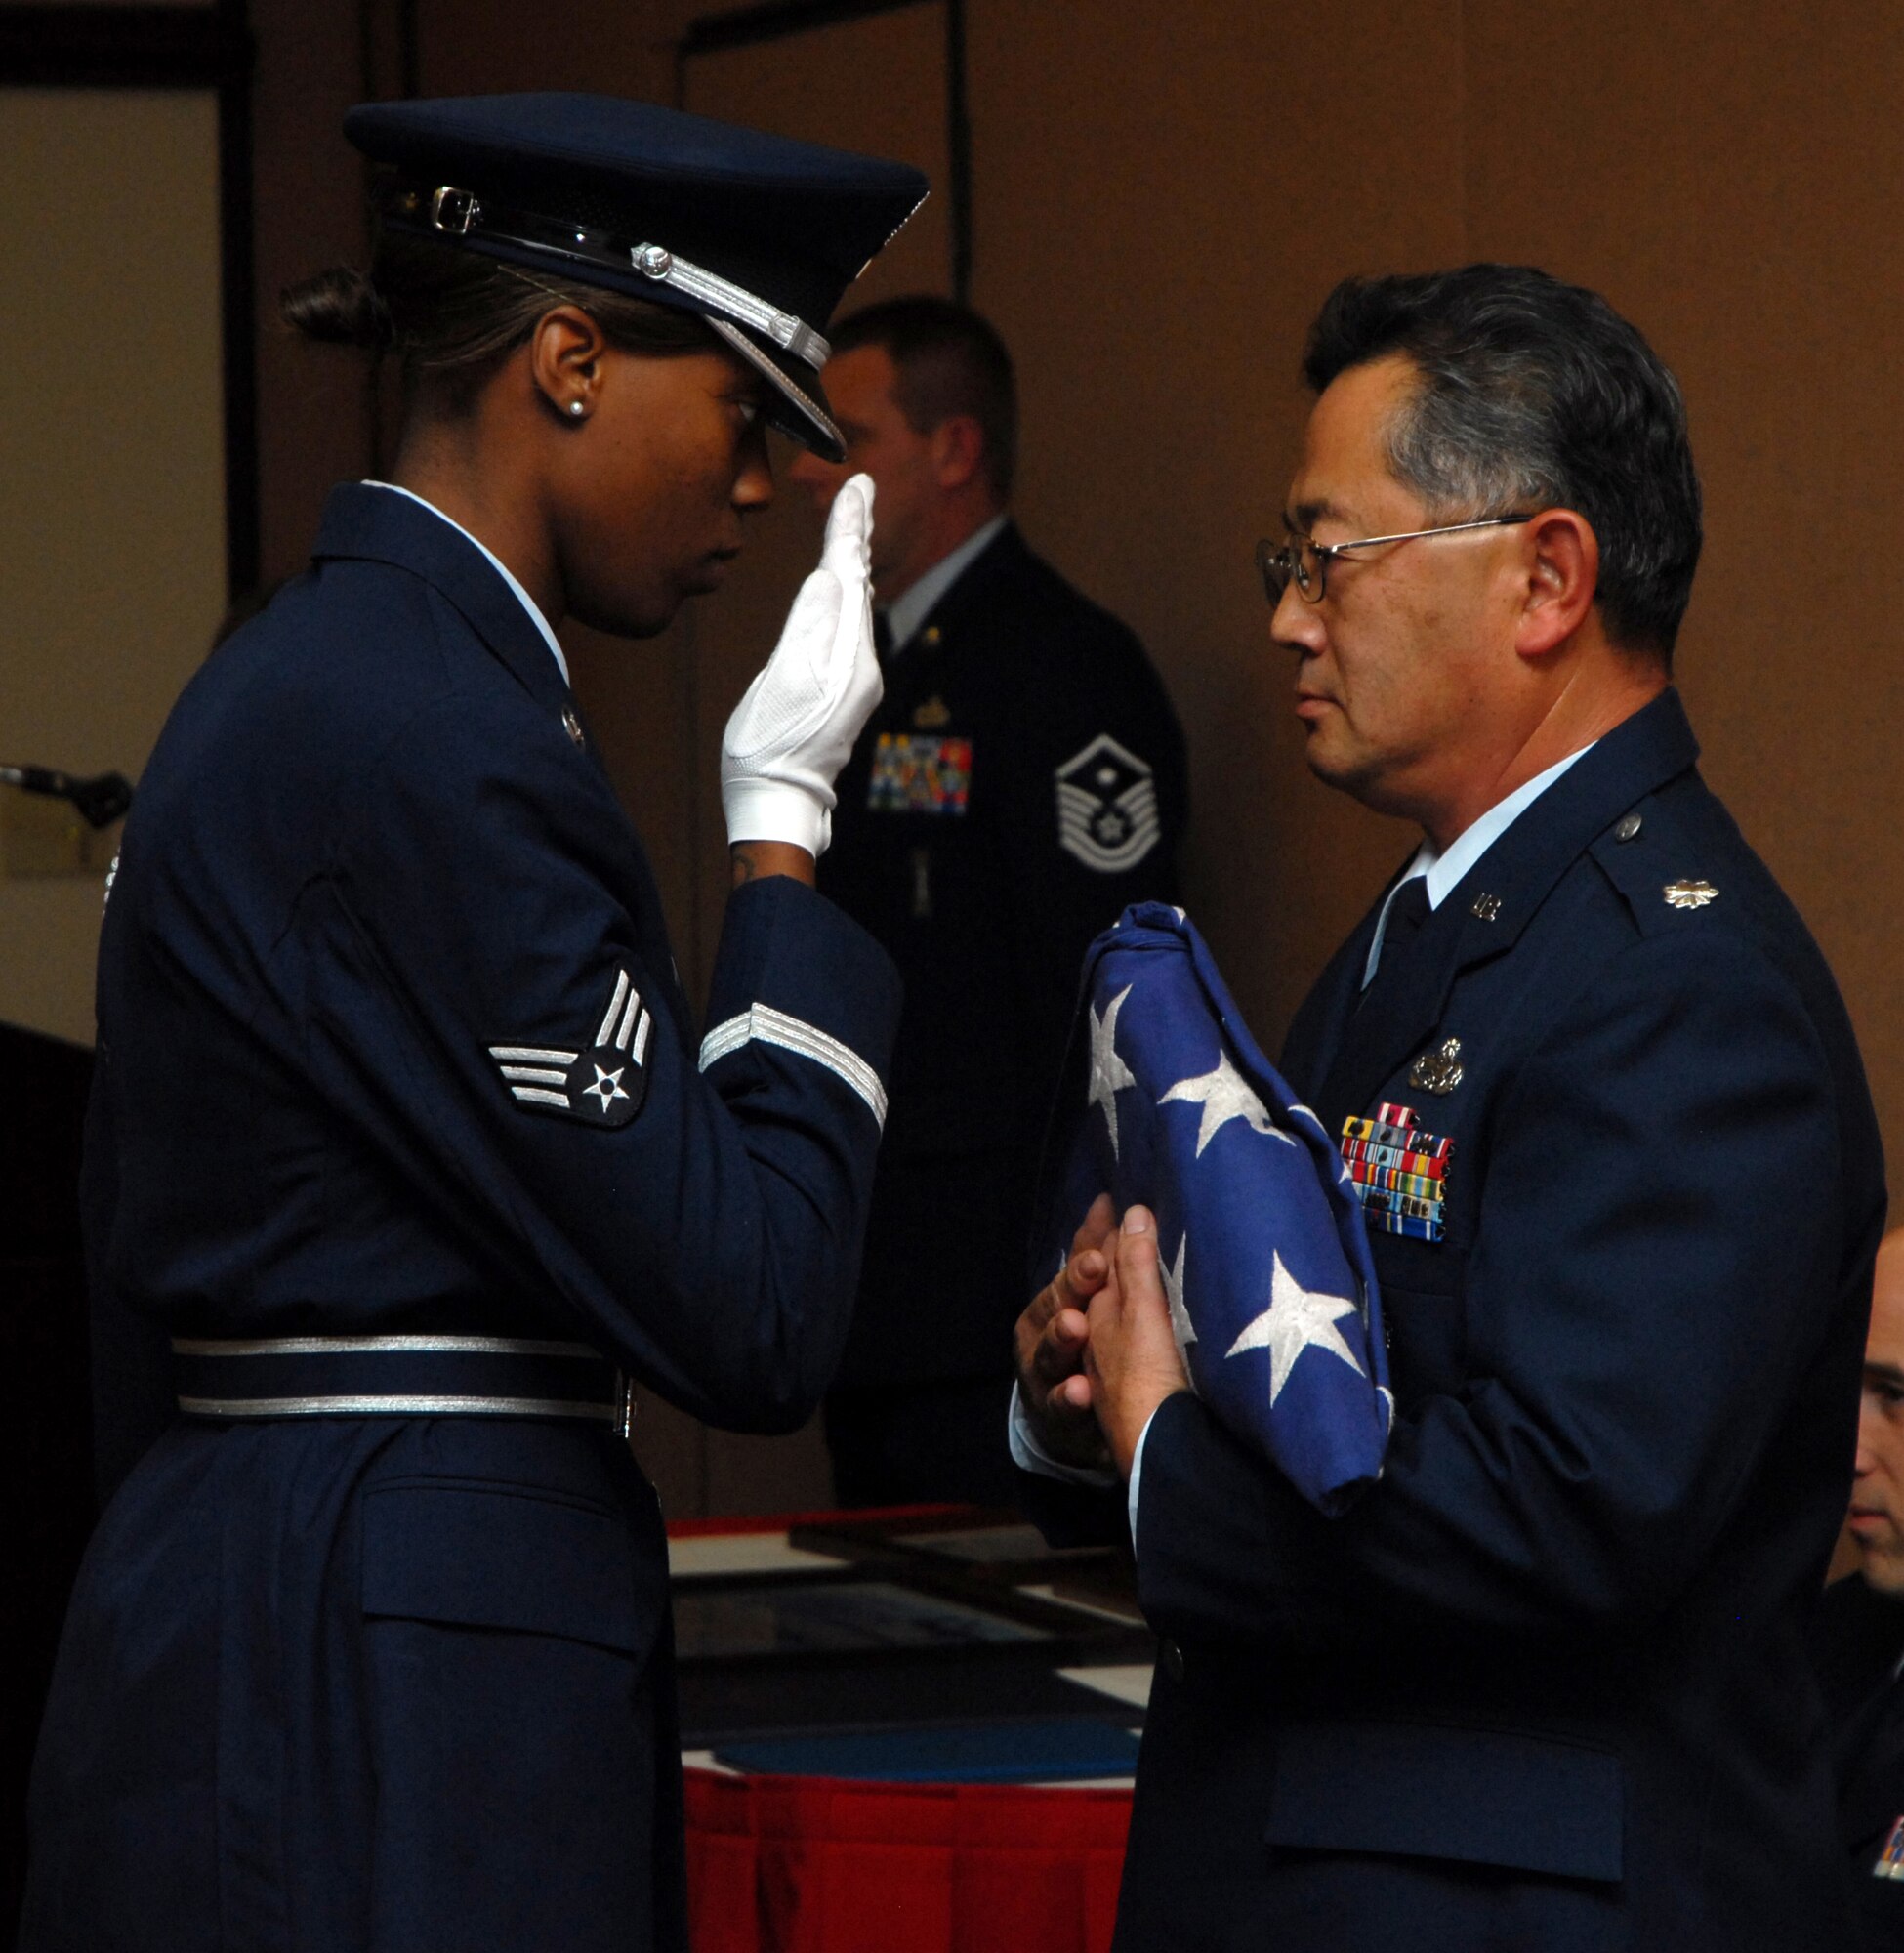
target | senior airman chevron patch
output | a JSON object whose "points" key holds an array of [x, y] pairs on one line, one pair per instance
{"points": [[605, 1085]]}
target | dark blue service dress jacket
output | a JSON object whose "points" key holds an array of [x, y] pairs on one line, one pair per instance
{"points": [[1545, 1687], [369, 1065], [1857, 1642]]}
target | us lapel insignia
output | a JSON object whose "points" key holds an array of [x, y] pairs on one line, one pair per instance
{"points": [[1438, 1070], [1398, 1171], [601, 1086], [933, 716], [1689, 895], [1486, 907], [573, 727]]}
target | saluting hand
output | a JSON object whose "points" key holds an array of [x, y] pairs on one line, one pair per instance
{"points": [[796, 723]]}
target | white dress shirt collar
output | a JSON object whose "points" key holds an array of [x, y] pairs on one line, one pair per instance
{"points": [[1444, 872], [905, 614], [501, 568]]}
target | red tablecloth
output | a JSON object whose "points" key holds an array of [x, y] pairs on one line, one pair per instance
{"points": [[818, 1865]]}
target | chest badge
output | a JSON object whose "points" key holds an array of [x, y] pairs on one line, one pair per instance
{"points": [[931, 716], [1398, 1171], [1438, 1070], [919, 773], [1689, 895], [1890, 1860]]}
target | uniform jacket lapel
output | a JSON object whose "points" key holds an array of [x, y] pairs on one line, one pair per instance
{"points": [[1857, 1639], [1871, 1795], [1408, 999], [974, 589], [1317, 1033], [931, 659], [376, 525]]}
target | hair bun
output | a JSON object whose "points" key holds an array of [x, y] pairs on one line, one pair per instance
{"points": [[340, 307]]}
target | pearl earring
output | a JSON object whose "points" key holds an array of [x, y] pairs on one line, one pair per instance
{"points": [[577, 408]]}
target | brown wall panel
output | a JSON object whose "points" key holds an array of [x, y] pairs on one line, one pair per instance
{"points": [[488, 46], [1736, 194], [314, 407], [1163, 196]]}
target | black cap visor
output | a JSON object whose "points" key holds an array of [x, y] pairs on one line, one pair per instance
{"points": [[804, 413]]}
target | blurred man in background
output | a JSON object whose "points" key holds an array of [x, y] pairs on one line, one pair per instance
{"points": [[1022, 781], [1860, 1631]]}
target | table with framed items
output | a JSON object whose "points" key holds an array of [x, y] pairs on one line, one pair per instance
{"points": [[904, 1730]]}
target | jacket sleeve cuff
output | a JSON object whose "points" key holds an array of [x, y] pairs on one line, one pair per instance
{"points": [[796, 974]]}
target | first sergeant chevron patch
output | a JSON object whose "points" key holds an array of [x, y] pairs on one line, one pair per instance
{"points": [[605, 1085]]}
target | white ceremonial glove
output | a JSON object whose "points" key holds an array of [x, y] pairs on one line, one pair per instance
{"points": [[795, 726]]}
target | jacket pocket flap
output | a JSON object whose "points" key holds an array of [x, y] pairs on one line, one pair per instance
{"points": [[1480, 1796], [494, 1558]]}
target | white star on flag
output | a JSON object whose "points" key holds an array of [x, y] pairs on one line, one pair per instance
{"points": [[1296, 1319], [1224, 1094], [1109, 1074], [1179, 1316]]}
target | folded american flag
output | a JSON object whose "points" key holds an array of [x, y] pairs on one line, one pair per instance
{"points": [[1272, 1295]]}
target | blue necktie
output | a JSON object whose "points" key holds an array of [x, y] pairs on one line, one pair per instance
{"points": [[1406, 914]]}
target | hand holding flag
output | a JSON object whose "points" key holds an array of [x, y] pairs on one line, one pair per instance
{"points": [[1256, 1244], [1132, 1357], [1052, 1386]]}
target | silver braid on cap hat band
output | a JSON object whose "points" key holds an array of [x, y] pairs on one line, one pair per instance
{"points": [[758, 361], [696, 281], [461, 214]]}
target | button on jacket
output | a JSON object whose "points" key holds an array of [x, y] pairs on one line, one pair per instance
{"points": [[392, 1044]]}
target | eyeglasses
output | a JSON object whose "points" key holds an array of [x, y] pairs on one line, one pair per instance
{"points": [[1306, 563]]}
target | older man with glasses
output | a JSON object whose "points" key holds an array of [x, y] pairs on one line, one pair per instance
{"points": [[1543, 1687]]}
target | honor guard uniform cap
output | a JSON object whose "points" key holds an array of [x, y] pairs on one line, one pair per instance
{"points": [[758, 233]]}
